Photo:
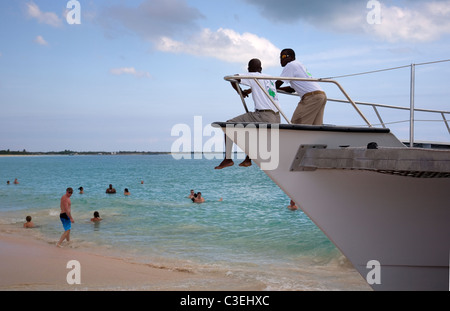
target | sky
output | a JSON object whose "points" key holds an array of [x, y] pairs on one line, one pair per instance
{"points": [[113, 75]]}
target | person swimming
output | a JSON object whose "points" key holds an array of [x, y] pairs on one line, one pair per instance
{"points": [[197, 198], [110, 189], [29, 223], [96, 217]]}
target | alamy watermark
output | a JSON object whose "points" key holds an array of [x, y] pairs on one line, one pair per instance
{"points": [[73, 15], [74, 275], [258, 142], [374, 15], [374, 275]]}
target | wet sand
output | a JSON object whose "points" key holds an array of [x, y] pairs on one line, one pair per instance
{"points": [[29, 264]]}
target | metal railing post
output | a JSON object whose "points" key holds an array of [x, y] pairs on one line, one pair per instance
{"points": [[445, 121], [411, 118], [379, 116], [240, 94]]}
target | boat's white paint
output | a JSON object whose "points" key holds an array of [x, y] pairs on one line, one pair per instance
{"points": [[402, 222]]}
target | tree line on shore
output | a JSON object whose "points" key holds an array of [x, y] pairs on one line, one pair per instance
{"points": [[71, 152]]}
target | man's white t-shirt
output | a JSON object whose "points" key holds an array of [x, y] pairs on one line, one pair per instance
{"points": [[262, 102], [295, 69]]}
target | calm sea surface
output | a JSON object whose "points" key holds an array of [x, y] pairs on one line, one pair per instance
{"points": [[250, 235]]}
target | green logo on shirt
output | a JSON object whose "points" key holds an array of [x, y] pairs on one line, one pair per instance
{"points": [[271, 91]]}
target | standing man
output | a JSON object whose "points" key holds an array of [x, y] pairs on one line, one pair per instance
{"points": [[265, 110], [66, 216], [311, 107]]}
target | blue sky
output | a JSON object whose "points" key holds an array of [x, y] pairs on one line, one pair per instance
{"points": [[132, 70]]}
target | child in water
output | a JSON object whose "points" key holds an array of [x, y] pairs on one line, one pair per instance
{"points": [[29, 223], [96, 217]]}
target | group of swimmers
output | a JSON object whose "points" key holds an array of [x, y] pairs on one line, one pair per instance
{"points": [[30, 224], [110, 190], [197, 197]]}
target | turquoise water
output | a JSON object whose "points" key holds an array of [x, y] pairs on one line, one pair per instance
{"points": [[250, 234]]}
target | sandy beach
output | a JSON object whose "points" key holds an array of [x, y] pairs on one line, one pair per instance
{"points": [[29, 264]]}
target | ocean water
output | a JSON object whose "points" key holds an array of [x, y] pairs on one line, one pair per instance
{"points": [[250, 235]]}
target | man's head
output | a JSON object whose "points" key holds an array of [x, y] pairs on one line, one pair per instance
{"points": [[69, 191], [254, 65], [286, 56]]}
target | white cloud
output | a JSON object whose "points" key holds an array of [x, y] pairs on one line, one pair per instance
{"points": [[40, 40], [48, 18], [171, 25], [226, 45], [151, 19], [422, 23], [413, 20], [129, 71]]}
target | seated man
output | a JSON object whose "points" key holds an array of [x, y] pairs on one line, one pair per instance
{"points": [[265, 110]]}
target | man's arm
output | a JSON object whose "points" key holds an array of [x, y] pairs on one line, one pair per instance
{"points": [[235, 87], [70, 214], [287, 89]]}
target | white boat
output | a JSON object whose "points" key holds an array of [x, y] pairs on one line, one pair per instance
{"points": [[385, 206]]}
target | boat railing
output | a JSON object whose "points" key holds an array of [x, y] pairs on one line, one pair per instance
{"points": [[234, 79], [442, 113]]}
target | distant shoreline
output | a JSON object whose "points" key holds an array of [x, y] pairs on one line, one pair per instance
{"points": [[106, 153], [73, 153]]}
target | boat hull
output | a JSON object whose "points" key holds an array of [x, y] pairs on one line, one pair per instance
{"points": [[401, 223]]}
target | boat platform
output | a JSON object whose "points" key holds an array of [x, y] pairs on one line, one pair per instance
{"points": [[408, 162]]}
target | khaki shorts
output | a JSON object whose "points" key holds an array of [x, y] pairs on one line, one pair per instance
{"points": [[310, 110], [258, 116]]}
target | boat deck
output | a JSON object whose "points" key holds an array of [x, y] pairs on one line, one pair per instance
{"points": [[303, 127], [407, 162]]}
